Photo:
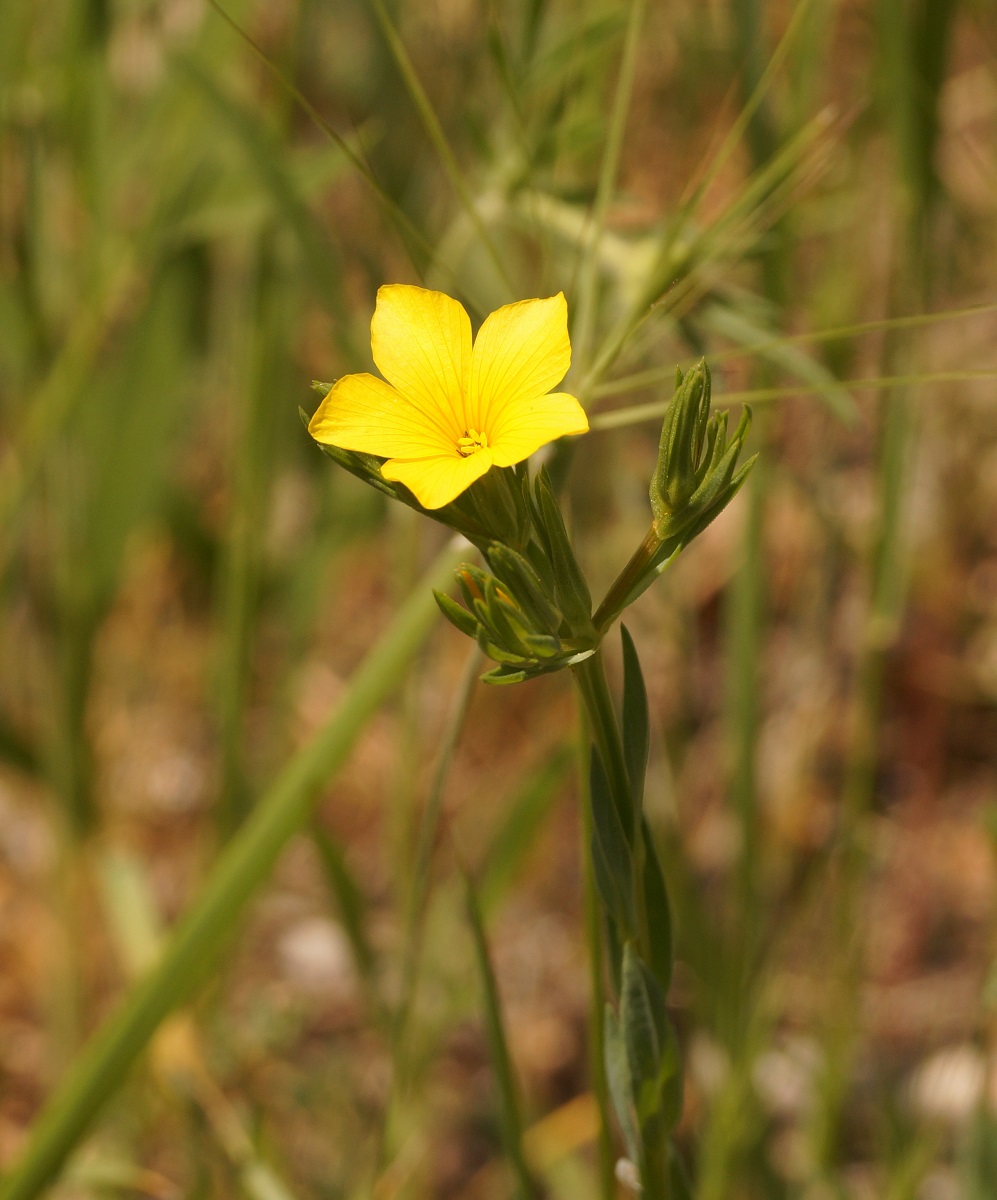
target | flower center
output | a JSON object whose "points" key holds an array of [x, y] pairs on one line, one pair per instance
{"points": [[472, 442]]}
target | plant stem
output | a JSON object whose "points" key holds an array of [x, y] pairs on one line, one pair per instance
{"points": [[624, 583], [590, 675], [597, 985]]}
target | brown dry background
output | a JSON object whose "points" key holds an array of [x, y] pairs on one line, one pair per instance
{"points": [[188, 585]]}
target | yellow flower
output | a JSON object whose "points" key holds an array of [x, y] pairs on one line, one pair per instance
{"points": [[449, 412]]}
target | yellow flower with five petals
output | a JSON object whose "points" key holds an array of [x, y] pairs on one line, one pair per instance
{"points": [[452, 410]]}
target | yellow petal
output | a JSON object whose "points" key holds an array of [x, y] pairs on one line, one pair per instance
{"points": [[421, 343], [436, 481], [521, 351], [526, 425], [362, 412]]}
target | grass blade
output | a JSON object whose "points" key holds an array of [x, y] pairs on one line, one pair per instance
{"points": [[512, 1127], [187, 959], [588, 275], [439, 139]]}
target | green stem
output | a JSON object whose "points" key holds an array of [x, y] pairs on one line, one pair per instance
{"points": [[425, 837], [625, 582], [597, 987], [590, 676]]}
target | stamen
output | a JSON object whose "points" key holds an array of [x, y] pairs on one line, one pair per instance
{"points": [[472, 442]]}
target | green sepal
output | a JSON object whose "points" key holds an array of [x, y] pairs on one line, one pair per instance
{"points": [[571, 591], [468, 572], [612, 857], [495, 503], [364, 466], [504, 674], [538, 559], [542, 645], [684, 433], [499, 653], [522, 580], [507, 622], [522, 670], [456, 614], [323, 389]]}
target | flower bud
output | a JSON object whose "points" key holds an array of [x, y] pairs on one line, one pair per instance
{"points": [[696, 462], [683, 449], [696, 477]]}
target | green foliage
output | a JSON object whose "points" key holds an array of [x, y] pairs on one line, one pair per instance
{"points": [[512, 1129], [195, 210]]}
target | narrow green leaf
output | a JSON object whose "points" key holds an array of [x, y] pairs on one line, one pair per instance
{"points": [[621, 1083], [319, 259], [652, 1049], [588, 274], [740, 328], [659, 914], [438, 138], [636, 720], [643, 1017], [573, 596], [349, 897], [612, 859], [520, 828]]}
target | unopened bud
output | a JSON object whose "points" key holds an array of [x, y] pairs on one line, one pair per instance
{"points": [[682, 457]]}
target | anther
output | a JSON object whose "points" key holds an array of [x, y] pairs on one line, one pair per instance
{"points": [[472, 442]]}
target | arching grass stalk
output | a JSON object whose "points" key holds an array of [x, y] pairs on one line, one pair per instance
{"points": [[442, 428], [193, 949]]}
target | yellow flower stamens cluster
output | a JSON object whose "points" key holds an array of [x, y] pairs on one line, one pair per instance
{"points": [[472, 442], [452, 408]]}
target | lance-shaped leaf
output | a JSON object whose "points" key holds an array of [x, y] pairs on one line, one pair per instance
{"points": [[621, 1083], [612, 859], [636, 722], [659, 914], [652, 1047]]}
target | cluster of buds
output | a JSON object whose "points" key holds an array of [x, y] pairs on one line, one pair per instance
{"points": [[696, 477], [529, 607], [530, 611]]}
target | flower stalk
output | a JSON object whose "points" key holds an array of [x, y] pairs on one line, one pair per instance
{"points": [[442, 422]]}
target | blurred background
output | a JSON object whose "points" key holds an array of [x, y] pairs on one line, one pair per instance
{"points": [[196, 211]]}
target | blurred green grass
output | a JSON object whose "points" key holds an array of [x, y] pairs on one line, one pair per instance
{"points": [[187, 584]]}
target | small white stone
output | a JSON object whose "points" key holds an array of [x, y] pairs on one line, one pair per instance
{"points": [[626, 1173], [948, 1085], [784, 1079], [315, 957]]}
